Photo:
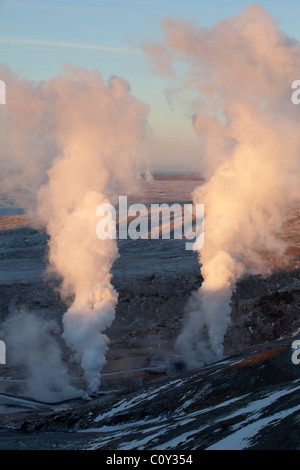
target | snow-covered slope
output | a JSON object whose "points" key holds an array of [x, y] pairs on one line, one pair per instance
{"points": [[246, 402]]}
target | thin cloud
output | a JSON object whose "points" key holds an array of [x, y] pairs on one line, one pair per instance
{"points": [[39, 42]]}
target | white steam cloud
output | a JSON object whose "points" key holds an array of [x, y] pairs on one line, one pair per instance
{"points": [[73, 143], [237, 76], [32, 346]]}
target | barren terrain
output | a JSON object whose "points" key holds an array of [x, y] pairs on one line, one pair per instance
{"points": [[154, 279]]}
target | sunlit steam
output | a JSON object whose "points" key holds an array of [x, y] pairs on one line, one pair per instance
{"points": [[236, 76], [73, 143]]}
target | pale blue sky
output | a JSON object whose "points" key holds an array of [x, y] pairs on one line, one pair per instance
{"points": [[38, 36]]}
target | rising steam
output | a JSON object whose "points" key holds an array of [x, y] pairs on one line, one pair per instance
{"points": [[237, 76], [73, 143], [31, 341]]}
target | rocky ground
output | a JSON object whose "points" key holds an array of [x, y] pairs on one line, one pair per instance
{"points": [[250, 400]]}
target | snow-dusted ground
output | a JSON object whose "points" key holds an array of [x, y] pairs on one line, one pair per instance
{"points": [[246, 402], [146, 402], [199, 415]]}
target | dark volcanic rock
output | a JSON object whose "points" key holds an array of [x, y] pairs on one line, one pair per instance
{"points": [[248, 402], [152, 403]]}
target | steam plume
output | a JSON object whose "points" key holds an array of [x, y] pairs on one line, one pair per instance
{"points": [[32, 346], [237, 77], [99, 133], [28, 144], [79, 144]]}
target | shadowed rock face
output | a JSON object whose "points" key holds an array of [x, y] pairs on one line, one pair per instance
{"points": [[250, 401]]}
